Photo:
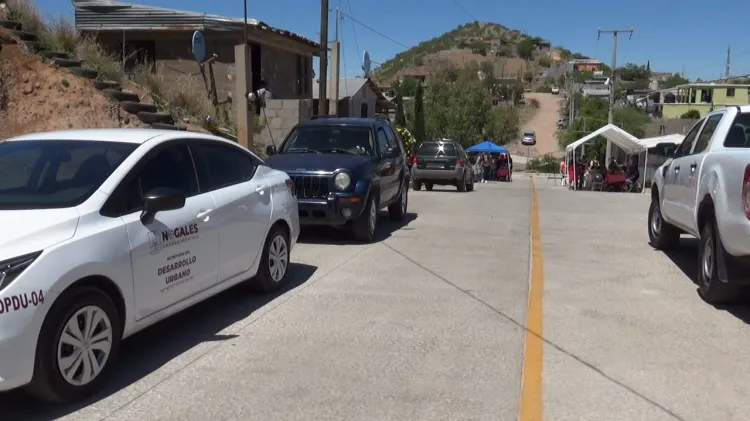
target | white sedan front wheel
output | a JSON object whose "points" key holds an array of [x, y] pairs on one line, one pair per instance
{"points": [[77, 345]]}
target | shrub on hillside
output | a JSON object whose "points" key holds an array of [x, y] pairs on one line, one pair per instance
{"points": [[545, 164], [545, 89], [60, 34], [25, 11], [94, 56], [534, 103]]}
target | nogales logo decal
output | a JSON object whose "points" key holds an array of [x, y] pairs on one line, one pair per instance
{"points": [[160, 240]]}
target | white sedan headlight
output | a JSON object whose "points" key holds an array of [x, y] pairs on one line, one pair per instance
{"points": [[342, 181]]}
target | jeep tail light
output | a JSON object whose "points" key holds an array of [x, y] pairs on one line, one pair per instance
{"points": [[746, 191], [290, 184], [459, 162], [413, 159]]}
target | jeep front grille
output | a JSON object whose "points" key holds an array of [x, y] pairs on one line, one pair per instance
{"points": [[311, 186]]}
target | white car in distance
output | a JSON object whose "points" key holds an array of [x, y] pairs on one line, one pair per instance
{"points": [[108, 231], [555, 90]]}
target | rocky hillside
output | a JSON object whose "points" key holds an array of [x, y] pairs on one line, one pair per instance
{"points": [[511, 51]]}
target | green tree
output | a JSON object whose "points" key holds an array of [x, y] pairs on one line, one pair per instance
{"points": [[674, 80], [528, 76], [691, 113], [593, 114], [408, 86], [419, 130], [525, 48], [632, 72], [544, 62], [458, 106], [504, 125], [400, 114]]}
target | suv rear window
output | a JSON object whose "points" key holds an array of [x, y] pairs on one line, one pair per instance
{"points": [[436, 149], [739, 134]]}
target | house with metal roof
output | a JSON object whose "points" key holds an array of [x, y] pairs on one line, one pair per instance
{"points": [[162, 37], [358, 97]]}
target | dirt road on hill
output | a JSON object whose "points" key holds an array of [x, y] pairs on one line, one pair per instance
{"points": [[544, 123]]}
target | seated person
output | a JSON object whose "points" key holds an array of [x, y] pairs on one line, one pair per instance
{"points": [[632, 174]]}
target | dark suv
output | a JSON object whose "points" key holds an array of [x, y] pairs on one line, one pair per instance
{"points": [[442, 162], [344, 171]]}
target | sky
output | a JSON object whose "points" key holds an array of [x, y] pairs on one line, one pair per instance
{"points": [[674, 35]]}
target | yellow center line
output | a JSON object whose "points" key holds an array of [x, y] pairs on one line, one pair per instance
{"points": [[530, 407]]}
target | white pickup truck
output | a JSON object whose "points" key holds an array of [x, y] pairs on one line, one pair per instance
{"points": [[703, 191]]}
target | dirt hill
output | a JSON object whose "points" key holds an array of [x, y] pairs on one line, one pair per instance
{"points": [[39, 97], [511, 51]]}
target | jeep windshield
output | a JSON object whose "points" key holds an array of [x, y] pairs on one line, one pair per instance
{"points": [[354, 140]]}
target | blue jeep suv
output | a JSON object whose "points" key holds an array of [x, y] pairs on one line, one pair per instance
{"points": [[344, 171]]}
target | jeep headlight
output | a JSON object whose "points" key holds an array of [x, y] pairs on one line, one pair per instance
{"points": [[342, 181], [10, 269]]}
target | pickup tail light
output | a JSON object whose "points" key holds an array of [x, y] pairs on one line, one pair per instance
{"points": [[746, 191], [290, 184], [459, 162]]}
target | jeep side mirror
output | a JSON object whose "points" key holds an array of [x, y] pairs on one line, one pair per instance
{"points": [[392, 152], [270, 150]]}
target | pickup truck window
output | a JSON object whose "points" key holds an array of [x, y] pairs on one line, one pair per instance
{"points": [[687, 143], [737, 137], [708, 130]]}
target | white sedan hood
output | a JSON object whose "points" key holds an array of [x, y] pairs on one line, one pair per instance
{"points": [[29, 231]]}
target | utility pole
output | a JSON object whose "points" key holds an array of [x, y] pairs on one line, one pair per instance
{"points": [[729, 63], [323, 76], [612, 76]]}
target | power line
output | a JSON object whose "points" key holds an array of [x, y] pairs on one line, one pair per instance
{"points": [[464, 9], [354, 31], [375, 31]]}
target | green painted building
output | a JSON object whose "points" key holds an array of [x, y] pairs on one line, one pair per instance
{"points": [[703, 97]]}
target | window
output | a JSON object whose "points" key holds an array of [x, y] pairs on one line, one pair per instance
{"points": [[222, 166], [739, 133], [363, 110], [320, 138], [730, 92], [687, 143], [169, 168], [708, 130], [436, 149], [382, 140], [55, 173]]}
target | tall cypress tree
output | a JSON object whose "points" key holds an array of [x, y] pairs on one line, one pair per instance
{"points": [[420, 128], [400, 115]]}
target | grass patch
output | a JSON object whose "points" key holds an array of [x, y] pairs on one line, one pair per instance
{"points": [[4, 76], [60, 34], [525, 114], [95, 57], [25, 12]]}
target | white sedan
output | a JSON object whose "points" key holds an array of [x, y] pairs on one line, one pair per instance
{"points": [[555, 90], [105, 232]]}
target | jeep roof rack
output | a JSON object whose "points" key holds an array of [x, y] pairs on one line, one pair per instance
{"points": [[317, 117]]}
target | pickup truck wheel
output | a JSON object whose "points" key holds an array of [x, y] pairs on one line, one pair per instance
{"points": [[367, 223], [661, 235], [710, 287], [397, 211], [428, 186]]}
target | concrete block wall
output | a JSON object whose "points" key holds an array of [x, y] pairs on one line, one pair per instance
{"points": [[281, 115]]}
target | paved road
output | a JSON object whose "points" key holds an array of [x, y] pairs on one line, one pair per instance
{"points": [[426, 325]]}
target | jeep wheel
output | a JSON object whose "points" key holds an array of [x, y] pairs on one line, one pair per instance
{"points": [[461, 184], [397, 211], [470, 184], [367, 223], [428, 186], [417, 185]]}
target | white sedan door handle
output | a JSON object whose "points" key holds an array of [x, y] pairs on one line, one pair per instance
{"points": [[260, 189], [204, 213]]}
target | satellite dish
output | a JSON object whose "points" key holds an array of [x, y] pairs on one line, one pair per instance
{"points": [[199, 47], [366, 63]]}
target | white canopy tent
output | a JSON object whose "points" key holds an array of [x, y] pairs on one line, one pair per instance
{"points": [[626, 141]]}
